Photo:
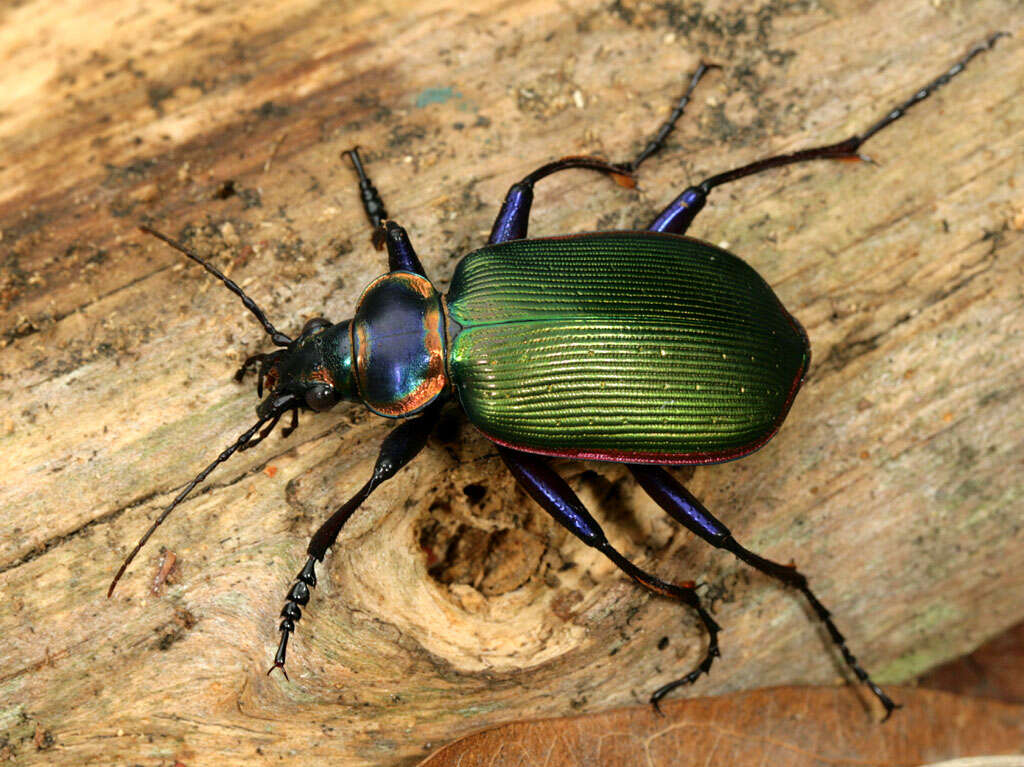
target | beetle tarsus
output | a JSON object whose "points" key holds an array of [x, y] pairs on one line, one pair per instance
{"points": [[792, 577], [656, 143], [684, 595], [279, 662], [693, 676], [888, 702], [848, 149], [665, 689], [291, 613], [287, 430], [373, 206], [924, 92], [249, 365]]}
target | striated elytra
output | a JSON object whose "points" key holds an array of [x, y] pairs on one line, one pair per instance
{"points": [[645, 348], [637, 347]]}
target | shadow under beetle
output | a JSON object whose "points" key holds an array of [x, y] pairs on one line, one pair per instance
{"points": [[645, 348]]}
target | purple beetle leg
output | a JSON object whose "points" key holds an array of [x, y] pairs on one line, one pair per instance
{"points": [[682, 506], [514, 217], [555, 496], [402, 444], [679, 214], [512, 221], [401, 255]]}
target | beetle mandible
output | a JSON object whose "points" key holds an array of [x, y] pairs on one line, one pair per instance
{"points": [[645, 348]]}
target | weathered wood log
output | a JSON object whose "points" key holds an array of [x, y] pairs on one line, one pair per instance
{"points": [[451, 602]]}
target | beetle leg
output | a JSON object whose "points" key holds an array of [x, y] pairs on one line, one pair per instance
{"points": [[249, 364], [658, 142], [373, 206], [679, 214], [555, 496], [668, 493], [401, 255], [400, 446], [513, 219]]}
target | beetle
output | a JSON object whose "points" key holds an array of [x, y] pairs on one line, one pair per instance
{"points": [[647, 348]]}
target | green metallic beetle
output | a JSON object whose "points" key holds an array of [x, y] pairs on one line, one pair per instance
{"points": [[644, 348]]}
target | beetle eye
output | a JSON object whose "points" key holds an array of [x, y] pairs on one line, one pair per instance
{"points": [[315, 325], [320, 397]]}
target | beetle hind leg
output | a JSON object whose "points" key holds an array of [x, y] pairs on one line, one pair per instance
{"points": [[555, 496], [677, 217], [682, 506]]}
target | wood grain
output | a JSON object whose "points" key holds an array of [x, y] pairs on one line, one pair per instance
{"points": [[895, 482]]}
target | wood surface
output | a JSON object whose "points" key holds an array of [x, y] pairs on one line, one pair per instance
{"points": [[451, 603]]}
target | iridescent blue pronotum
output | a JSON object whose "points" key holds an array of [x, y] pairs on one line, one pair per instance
{"points": [[646, 348]]}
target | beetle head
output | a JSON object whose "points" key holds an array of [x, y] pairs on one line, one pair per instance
{"points": [[311, 372], [314, 372]]}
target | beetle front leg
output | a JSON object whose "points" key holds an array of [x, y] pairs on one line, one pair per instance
{"points": [[555, 496], [682, 506], [401, 255], [400, 446], [373, 206]]}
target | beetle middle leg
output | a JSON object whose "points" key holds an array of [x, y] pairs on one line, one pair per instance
{"points": [[402, 444], [555, 496], [513, 218], [691, 513]]}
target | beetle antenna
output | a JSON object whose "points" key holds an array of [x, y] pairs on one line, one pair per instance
{"points": [[276, 336], [238, 444]]}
